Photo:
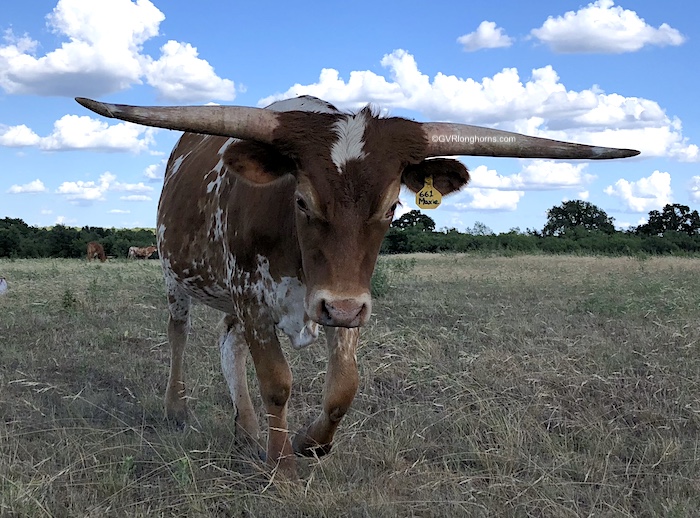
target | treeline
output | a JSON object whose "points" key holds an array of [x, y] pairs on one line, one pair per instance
{"points": [[19, 240], [577, 227], [578, 242]]}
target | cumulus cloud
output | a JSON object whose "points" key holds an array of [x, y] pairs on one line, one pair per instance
{"points": [[602, 27], [537, 175], [472, 198], [155, 172], [85, 193], [486, 36], [135, 197], [645, 194], [18, 136], [139, 188], [181, 76], [694, 189], [489, 190], [102, 53], [81, 192], [540, 106], [82, 132], [33, 187]]}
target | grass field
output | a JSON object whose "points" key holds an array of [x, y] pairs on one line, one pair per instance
{"points": [[489, 386]]}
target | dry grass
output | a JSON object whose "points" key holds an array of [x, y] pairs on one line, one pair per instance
{"points": [[524, 386]]}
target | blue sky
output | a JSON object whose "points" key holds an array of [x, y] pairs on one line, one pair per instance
{"points": [[615, 74]]}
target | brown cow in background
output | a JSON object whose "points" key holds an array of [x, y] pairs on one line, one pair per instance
{"points": [[136, 252], [94, 249]]}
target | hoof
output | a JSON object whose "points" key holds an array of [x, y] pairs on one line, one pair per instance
{"points": [[177, 419], [304, 447]]}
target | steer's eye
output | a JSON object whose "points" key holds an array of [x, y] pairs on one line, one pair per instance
{"points": [[301, 204], [390, 213]]}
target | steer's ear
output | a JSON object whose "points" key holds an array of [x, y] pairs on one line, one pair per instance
{"points": [[256, 162], [448, 175]]}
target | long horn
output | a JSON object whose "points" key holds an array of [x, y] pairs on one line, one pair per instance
{"points": [[446, 138], [227, 121]]}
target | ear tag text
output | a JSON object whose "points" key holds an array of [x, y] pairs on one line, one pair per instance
{"points": [[428, 197]]}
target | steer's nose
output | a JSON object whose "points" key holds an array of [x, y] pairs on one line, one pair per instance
{"points": [[340, 311]]}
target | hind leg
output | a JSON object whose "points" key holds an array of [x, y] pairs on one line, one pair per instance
{"points": [[234, 352], [178, 328]]}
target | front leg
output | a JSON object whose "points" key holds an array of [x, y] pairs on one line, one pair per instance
{"points": [[275, 380], [339, 391]]}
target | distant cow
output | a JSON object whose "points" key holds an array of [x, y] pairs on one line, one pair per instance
{"points": [[94, 249], [275, 217], [136, 252], [3, 286]]}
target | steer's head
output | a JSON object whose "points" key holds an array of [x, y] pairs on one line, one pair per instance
{"points": [[349, 169]]}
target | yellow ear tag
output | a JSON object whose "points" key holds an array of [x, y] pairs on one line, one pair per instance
{"points": [[428, 197]]}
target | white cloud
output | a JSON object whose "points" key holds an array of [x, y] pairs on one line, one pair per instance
{"points": [[135, 197], [18, 136], [645, 194], [536, 175], [486, 36], [83, 132], [86, 192], [603, 27], [540, 105], [155, 172], [488, 199], [102, 53], [694, 189], [584, 195], [131, 187], [180, 76], [32, 187], [119, 211], [81, 192]]}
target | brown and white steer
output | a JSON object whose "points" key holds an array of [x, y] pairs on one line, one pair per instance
{"points": [[136, 252], [94, 249], [275, 217]]}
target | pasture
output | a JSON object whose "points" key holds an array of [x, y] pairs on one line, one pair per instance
{"points": [[489, 386]]}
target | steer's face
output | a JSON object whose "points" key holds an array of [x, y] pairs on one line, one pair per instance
{"points": [[344, 202]]}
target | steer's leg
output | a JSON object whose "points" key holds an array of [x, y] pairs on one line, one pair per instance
{"points": [[339, 391], [234, 352], [178, 327], [275, 380]]}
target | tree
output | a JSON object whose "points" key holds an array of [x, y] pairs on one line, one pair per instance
{"points": [[577, 214], [672, 218], [479, 229], [415, 220]]}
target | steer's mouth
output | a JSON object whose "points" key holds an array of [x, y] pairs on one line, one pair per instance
{"points": [[337, 310]]}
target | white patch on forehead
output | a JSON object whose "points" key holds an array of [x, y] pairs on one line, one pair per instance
{"points": [[350, 143]]}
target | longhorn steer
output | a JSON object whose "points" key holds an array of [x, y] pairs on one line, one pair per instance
{"points": [[94, 249], [275, 217], [136, 252]]}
